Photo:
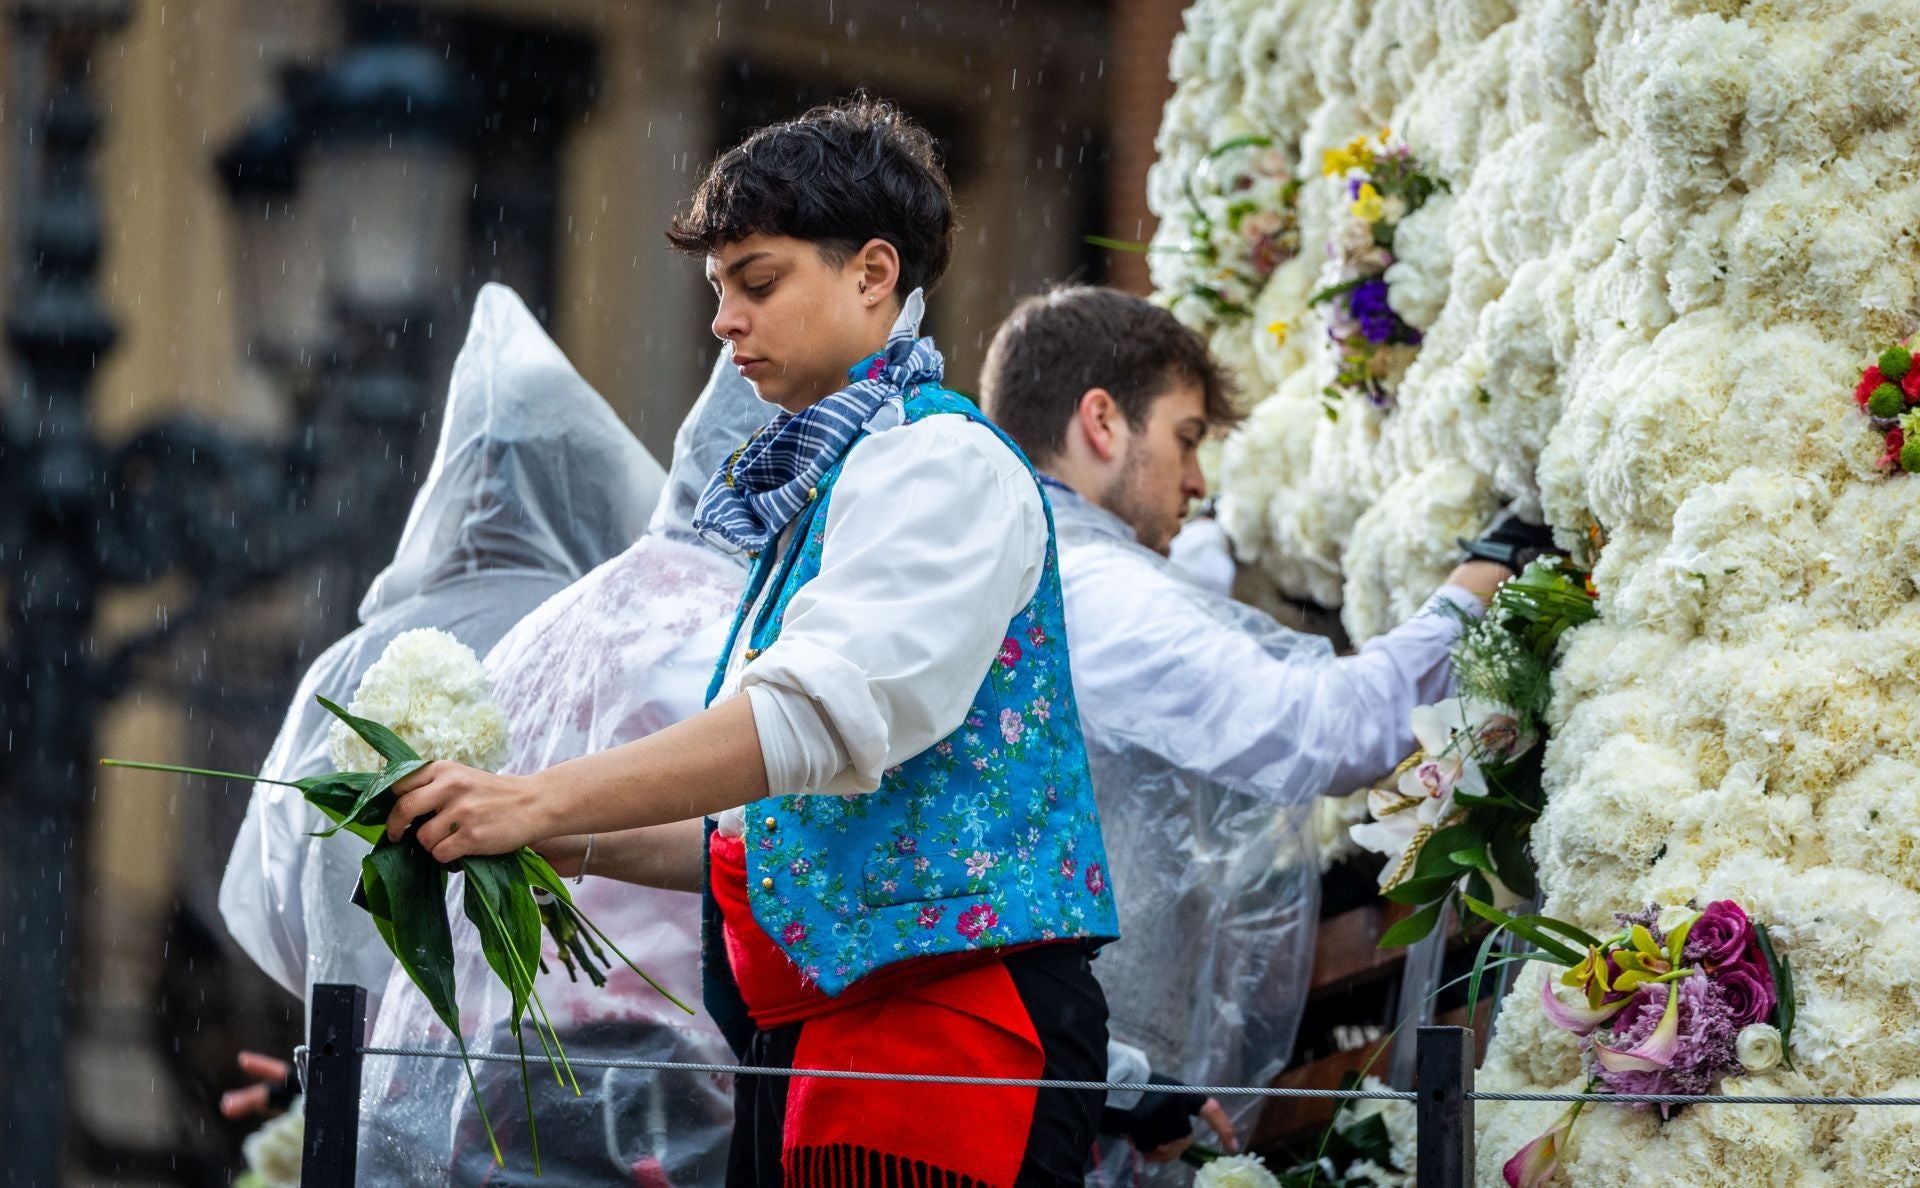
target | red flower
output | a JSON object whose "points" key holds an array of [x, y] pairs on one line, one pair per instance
{"points": [[1096, 878], [1910, 384], [976, 920], [1868, 382], [930, 916], [793, 934], [1009, 652], [1067, 867], [1896, 438], [1036, 636]]}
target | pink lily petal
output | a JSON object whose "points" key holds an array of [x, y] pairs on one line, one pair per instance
{"points": [[1536, 1163], [1654, 1053], [1581, 1020]]}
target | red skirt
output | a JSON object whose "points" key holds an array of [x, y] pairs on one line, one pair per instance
{"points": [[1018, 1013]]}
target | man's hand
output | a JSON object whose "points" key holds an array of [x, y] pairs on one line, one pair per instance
{"points": [[1214, 1115], [1481, 578], [272, 1093], [471, 811]]}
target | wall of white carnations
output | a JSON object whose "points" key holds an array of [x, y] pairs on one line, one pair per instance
{"points": [[1673, 236]]}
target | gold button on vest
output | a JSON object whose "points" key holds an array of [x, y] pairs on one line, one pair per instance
{"points": [[766, 884], [772, 823]]}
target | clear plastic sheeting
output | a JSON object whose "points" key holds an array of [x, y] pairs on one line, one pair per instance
{"points": [[623, 652], [1206, 770], [534, 482]]}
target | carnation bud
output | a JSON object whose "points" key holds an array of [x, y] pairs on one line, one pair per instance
{"points": [[1886, 401], [1910, 457], [1894, 362]]}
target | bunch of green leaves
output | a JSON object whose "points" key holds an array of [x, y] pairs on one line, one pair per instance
{"points": [[1504, 658], [509, 898]]}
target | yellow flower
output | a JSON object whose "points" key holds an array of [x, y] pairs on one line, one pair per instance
{"points": [[1356, 155], [1367, 205], [1279, 332]]}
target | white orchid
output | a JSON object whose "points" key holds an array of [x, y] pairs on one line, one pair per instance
{"points": [[1455, 737]]}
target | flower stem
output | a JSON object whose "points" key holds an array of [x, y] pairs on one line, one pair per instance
{"points": [[200, 771]]}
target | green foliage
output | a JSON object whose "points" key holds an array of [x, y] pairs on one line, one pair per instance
{"points": [[510, 899]]}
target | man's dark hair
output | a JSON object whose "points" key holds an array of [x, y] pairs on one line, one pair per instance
{"points": [[838, 176], [1055, 347]]}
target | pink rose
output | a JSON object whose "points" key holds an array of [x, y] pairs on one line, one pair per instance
{"points": [[1748, 991], [930, 916], [793, 934], [1721, 934], [1096, 879], [1009, 652]]}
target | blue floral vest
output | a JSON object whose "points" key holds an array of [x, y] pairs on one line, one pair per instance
{"points": [[988, 838]]}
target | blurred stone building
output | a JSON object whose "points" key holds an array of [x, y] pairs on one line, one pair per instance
{"points": [[598, 116]]}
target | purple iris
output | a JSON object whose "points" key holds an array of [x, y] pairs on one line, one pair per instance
{"points": [[1377, 319]]}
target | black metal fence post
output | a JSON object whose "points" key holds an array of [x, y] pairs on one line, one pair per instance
{"points": [[332, 1085], [1444, 1109]]}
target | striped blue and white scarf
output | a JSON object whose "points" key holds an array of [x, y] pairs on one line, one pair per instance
{"points": [[768, 480]]}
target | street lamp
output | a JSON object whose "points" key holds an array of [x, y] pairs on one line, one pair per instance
{"points": [[279, 260], [390, 178], [337, 279]]}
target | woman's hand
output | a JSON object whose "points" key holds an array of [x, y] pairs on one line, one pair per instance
{"points": [[471, 811], [564, 854]]}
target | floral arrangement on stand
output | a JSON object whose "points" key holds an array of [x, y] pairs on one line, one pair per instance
{"points": [[1462, 807], [431, 686], [1379, 185], [1370, 1144], [1240, 224], [1674, 1003], [1887, 393]]}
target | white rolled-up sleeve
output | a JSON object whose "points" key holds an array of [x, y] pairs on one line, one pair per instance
{"points": [[935, 539]]}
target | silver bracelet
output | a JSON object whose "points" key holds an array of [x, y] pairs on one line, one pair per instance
{"points": [[584, 859]]}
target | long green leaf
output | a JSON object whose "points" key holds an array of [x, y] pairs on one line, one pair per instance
{"points": [[1536, 929], [1782, 974], [176, 769], [386, 743], [384, 779], [405, 893]]}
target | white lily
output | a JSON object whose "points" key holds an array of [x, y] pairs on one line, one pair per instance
{"points": [[1422, 802]]}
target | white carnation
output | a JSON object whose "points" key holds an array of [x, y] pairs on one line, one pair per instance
{"points": [[273, 1151], [1674, 235], [430, 689], [1235, 1171]]}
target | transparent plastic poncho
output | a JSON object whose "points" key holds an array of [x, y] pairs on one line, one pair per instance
{"points": [[533, 483], [623, 652], [1206, 724]]}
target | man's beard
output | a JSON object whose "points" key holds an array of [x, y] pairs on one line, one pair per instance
{"points": [[1131, 498]]}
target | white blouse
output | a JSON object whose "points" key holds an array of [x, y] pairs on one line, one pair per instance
{"points": [[935, 539]]}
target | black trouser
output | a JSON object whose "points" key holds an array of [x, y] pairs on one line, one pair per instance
{"points": [[1069, 1015]]}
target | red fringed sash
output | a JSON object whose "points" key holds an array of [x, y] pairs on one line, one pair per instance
{"points": [[958, 1015]]}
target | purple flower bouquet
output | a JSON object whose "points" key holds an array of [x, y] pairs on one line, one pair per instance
{"points": [[1661, 1011]]}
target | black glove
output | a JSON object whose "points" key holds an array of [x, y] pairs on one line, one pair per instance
{"points": [[1158, 1118], [1511, 541]]}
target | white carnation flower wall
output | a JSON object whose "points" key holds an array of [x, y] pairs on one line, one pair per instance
{"points": [[1676, 232]]}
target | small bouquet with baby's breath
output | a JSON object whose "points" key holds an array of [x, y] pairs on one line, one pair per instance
{"points": [[433, 694], [1462, 808]]}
